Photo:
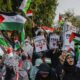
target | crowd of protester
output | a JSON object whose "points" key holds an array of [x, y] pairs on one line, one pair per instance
{"points": [[25, 64]]}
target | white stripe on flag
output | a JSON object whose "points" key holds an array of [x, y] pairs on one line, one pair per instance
{"points": [[77, 38], [16, 18], [29, 14]]}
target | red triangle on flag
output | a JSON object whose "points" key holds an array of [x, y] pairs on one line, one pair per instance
{"points": [[29, 13], [1, 18], [72, 36]]}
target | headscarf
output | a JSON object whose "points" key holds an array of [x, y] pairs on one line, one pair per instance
{"points": [[69, 68], [44, 67]]}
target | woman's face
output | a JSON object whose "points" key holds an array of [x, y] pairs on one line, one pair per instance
{"points": [[70, 60], [62, 57]]}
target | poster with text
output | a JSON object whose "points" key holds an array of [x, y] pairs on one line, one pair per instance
{"points": [[53, 41], [40, 43]]}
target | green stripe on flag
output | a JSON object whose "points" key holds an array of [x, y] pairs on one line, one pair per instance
{"points": [[11, 26], [76, 40]]}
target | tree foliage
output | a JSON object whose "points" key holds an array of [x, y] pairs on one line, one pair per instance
{"points": [[45, 10], [9, 5], [69, 15]]}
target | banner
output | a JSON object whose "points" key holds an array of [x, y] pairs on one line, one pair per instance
{"points": [[53, 41], [40, 44]]}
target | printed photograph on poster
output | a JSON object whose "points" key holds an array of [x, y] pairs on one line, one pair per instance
{"points": [[40, 44]]}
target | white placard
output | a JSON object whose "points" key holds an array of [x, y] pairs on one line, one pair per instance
{"points": [[68, 26], [66, 43], [53, 41], [40, 44]]}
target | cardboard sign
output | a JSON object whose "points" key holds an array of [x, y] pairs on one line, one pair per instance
{"points": [[40, 44]]}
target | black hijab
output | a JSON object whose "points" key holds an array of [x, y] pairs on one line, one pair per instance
{"points": [[67, 67]]}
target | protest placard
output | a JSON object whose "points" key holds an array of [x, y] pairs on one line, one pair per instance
{"points": [[40, 43], [53, 41]]}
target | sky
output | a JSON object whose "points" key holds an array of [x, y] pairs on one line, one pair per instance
{"points": [[65, 5]]}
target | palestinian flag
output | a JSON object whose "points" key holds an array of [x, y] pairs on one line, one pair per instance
{"points": [[47, 29], [29, 13], [77, 48], [74, 37], [25, 5], [12, 22], [61, 22]]}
